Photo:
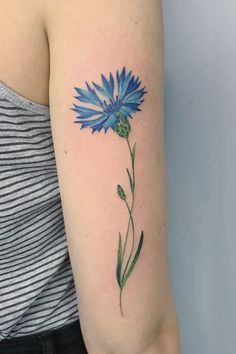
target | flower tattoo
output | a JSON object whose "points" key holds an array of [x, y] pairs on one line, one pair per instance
{"points": [[114, 102]]}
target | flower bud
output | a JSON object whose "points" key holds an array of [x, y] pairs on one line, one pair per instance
{"points": [[122, 128], [121, 192]]}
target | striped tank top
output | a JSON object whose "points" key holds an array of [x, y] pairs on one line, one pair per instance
{"points": [[37, 290]]}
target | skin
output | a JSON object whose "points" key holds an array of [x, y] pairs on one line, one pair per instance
{"points": [[85, 39]]}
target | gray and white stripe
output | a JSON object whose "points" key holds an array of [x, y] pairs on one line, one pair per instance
{"points": [[37, 290]]}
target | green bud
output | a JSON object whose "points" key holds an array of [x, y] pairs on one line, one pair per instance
{"points": [[121, 192], [122, 128]]}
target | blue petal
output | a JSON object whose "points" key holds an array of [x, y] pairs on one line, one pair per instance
{"points": [[91, 122], [100, 125], [132, 86], [106, 122], [93, 94], [125, 85], [120, 81], [88, 96], [107, 87], [111, 122], [85, 112], [112, 84], [135, 96], [100, 89], [126, 111], [132, 106]]}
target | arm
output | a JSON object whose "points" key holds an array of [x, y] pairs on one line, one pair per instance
{"points": [[111, 171]]}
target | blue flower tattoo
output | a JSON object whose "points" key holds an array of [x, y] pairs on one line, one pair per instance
{"points": [[114, 103]]}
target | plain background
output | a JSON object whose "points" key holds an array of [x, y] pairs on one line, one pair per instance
{"points": [[200, 128]]}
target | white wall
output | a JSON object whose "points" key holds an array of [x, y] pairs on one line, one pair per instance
{"points": [[200, 127]]}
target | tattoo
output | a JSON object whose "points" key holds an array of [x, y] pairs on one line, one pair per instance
{"points": [[115, 102]]}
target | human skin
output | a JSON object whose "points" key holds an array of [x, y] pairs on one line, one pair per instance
{"points": [[84, 40]]}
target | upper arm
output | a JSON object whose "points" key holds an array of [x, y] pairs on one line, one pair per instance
{"points": [[87, 39]]}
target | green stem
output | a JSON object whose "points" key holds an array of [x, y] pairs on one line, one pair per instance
{"points": [[132, 222], [132, 204], [127, 231], [130, 214], [132, 160], [121, 309]]}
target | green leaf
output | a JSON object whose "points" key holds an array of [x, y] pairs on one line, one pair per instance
{"points": [[133, 153], [125, 276], [119, 262], [130, 181], [121, 192]]}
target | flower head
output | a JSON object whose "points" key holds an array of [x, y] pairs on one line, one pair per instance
{"points": [[108, 100]]}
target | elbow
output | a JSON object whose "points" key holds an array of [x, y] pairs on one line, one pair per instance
{"points": [[165, 340]]}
